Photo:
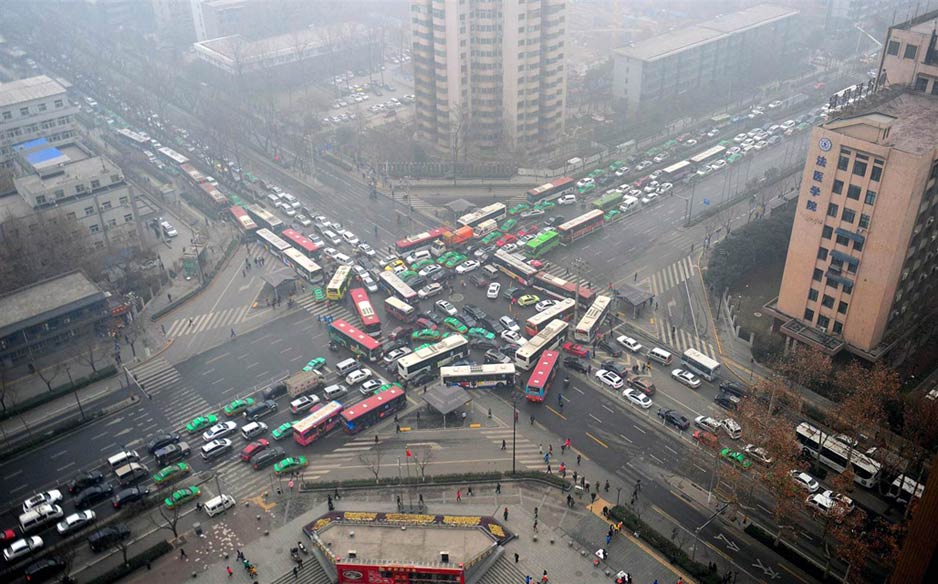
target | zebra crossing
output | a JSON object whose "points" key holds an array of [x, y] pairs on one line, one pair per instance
{"points": [[683, 340], [527, 453], [670, 276], [156, 376]]}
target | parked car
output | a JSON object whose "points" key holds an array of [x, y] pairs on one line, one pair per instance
{"points": [[674, 418], [575, 364], [609, 378]]}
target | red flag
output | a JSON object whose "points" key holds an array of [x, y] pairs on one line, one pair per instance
{"points": [[408, 452]]}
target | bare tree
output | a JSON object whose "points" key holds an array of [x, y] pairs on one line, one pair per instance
{"points": [[423, 458], [167, 519], [86, 354], [372, 460], [7, 390], [48, 374]]}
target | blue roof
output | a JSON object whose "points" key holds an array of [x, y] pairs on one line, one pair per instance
{"points": [[44, 156], [32, 144]]}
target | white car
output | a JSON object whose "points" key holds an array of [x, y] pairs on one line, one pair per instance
{"points": [[629, 343], [788, 124], [303, 220], [492, 292], [656, 175], [643, 164], [366, 249], [509, 247], [219, 430], [713, 133], [428, 270], [446, 307], [652, 186], [289, 211], [369, 283], [740, 138], [637, 398], [805, 481], [357, 376], [350, 237], [467, 266], [777, 103], [609, 378], [317, 241], [331, 252], [584, 181], [567, 200], [394, 355], [303, 403], [75, 521], [622, 171], [513, 337], [686, 377], [430, 290], [47, 498], [509, 323], [532, 213], [718, 165], [544, 305], [649, 198], [704, 171], [661, 157], [761, 144], [370, 385], [665, 188], [22, 547]]}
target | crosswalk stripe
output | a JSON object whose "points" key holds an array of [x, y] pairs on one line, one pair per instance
{"points": [[174, 328]]}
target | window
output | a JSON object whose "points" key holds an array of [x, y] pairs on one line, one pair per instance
{"points": [[848, 288], [107, 205], [934, 88], [843, 162], [42, 107], [858, 245], [877, 173], [59, 103], [7, 115], [864, 220], [893, 48], [115, 178], [80, 188], [95, 228], [822, 253], [827, 301], [838, 187], [827, 232], [859, 168], [870, 195], [24, 111], [921, 83], [842, 307], [89, 211], [841, 240], [832, 210], [96, 184], [40, 199], [818, 274], [838, 327], [812, 294], [808, 315], [59, 193], [823, 321], [70, 215], [853, 192], [112, 222], [128, 218], [849, 215], [122, 200], [911, 51]]}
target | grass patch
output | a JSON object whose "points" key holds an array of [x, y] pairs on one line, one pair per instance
{"points": [[760, 286]]}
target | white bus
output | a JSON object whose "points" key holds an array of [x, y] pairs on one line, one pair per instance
{"points": [[527, 355], [172, 156], [588, 326], [433, 357], [302, 265], [497, 375], [496, 211], [393, 285], [399, 309], [837, 455], [562, 310], [700, 364], [272, 242], [904, 488]]}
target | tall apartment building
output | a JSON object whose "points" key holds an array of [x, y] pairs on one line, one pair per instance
{"points": [[910, 56], [490, 73], [702, 57], [175, 20], [32, 108]]}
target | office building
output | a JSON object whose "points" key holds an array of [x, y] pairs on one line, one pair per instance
{"points": [[175, 20], [703, 57], [489, 73], [910, 56], [33, 108]]}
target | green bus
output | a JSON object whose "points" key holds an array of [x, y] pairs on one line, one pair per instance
{"points": [[608, 201], [540, 245]]}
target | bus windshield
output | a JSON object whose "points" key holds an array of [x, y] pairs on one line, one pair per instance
{"points": [[527, 355], [588, 326]]}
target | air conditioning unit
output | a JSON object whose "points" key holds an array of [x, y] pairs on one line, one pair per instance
{"points": [[823, 329], [352, 554]]}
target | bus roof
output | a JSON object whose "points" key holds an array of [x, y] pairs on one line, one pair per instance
{"points": [[545, 363], [366, 405], [319, 416], [353, 333]]}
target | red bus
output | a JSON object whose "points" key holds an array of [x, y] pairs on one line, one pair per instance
{"points": [[552, 190], [321, 420], [371, 324], [342, 333], [300, 242], [415, 242], [542, 376], [581, 226], [372, 410], [244, 221], [560, 288], [215, 196]]}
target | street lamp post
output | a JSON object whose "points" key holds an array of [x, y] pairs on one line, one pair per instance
{"points": [[514, 427]]}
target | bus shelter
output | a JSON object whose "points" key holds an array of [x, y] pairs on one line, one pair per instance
{"points": [[282, 283], [634, 297], [447, 400]]}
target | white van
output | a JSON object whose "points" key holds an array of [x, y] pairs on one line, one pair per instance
{"points": [[168, 229], [331, 237], [660, 355], [290, 200], [346, 367], [131, 473], [732, 428], [629, 204], [484, 228], [333, 391], [417, 256], [219, 504], [123, 458], [39, 516], [567, 200]]}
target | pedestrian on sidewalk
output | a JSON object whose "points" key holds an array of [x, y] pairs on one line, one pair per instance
{"points": [[548, 469], [376, 438], [517, 557], [574, 477], [169, 297], [563, 448], [469, 490], [505, 514], [535, 526], [182, 554], [459, 495], [544, 578], [578, 458], [608, 538], [498, 488], [296, 573], [547, 457], [300, 562], [606, 486], [230, 573], [535, 512]]}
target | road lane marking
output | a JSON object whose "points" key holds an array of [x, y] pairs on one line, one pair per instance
{"points": [[608, 409], [595, 418], [13, 474], [671, 449], [252, 365], [61, 468], [656, 458], [558, 414], [640, 430], [222, 356], [115, 421], [219, 380], [207, 371], [626, 438], [286, 350], [579, 390], [597, 440]]}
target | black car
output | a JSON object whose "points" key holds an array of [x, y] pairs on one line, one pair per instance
{"points": [[128, 496], [726, 401], [44, 569], [261, 410], [508, 349], [442, 276], [107, 536], [482, 344], [478, 281], [555, 220], [268, 457], [275, 391], [160, 440], [83, 481], [616, 368], [433, 317], [733, 389], [513, 292], [496, 356], [417, 282], [469, 320], [574, 363], [475, 312], [674, 418], [610, 349], [493, 325], [90, 496], [172, 453]]}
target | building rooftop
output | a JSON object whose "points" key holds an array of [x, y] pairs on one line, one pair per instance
{"points": [[43, 300], [669, 43], [923, 24], [419, 545], [912, 115], [29, 89], [72, 170], [308, 40]]}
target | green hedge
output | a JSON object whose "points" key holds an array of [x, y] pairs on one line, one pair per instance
{"points": [[134, 562], [331, 158], [58, 391], [665, 546], [437, 480]]}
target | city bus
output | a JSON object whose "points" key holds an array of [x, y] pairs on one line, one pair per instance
{"points": [[302, 243], [551, 335], [322, 419], [137, 139], [514, 267], [339, 283], [581, 226], [495, 211], [552, 190], [215, 197], [419, 241], [433, 357], [541, 244], [393, 285], [562, 310], [904, 488], [371, 324], [272, 242], [498, 375], [708, 155], [264, 218], [342, 333], [399, 309], [543, 375], [172, 157], [372, 410], [243, 220], [837, 455], [610, 200], [586, 329], [560, 288], [305, 267], [700, 364], [677, 171]]}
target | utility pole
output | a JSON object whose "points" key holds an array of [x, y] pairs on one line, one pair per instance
{"points": [[579, 267]]}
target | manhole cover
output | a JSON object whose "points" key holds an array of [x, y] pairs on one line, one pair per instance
{"points": [[456, 297], [757, 314]]}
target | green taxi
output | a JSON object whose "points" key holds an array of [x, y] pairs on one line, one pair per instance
{"points": [[491, 238], [290, 464], [508, 225], [197, 424], [181, 497], [519, 208], [481, 333], [407, 275], [454, 261], [544, 205], [425, 335], [282, 431], [317, 363], [419, 265], [172, 472], [454, 324], [238, 406], [737, 458]]}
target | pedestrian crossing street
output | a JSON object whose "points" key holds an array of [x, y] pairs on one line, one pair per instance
{"points": [[670, 276], [527, 453], [682, 340]]}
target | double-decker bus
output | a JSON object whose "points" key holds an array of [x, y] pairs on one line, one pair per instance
{"points": [[499, 375], [393, 285], [541, 244], [302, 243], [609, 200], [677, 171], [419, 241], [399, 309], [837, 455], [354, 340], [586, 329], [264, 218], [372, 410], [305, 267], [552, 190], [272, 242], [371, 324], [514, 267], [549, 337], [560, 288], [433, 357], [244, 221], [543, 375], [708, 155], [339, 283], [322, 419], [700, 364], [495, 211], [562, 310], [215, 197], [580, 226]]}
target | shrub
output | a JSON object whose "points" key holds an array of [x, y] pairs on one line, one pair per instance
{"points": [[134, 562], [58, 391]]}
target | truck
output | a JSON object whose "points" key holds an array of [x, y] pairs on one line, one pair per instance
{"points": [[304, 381], [451, 240]]}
